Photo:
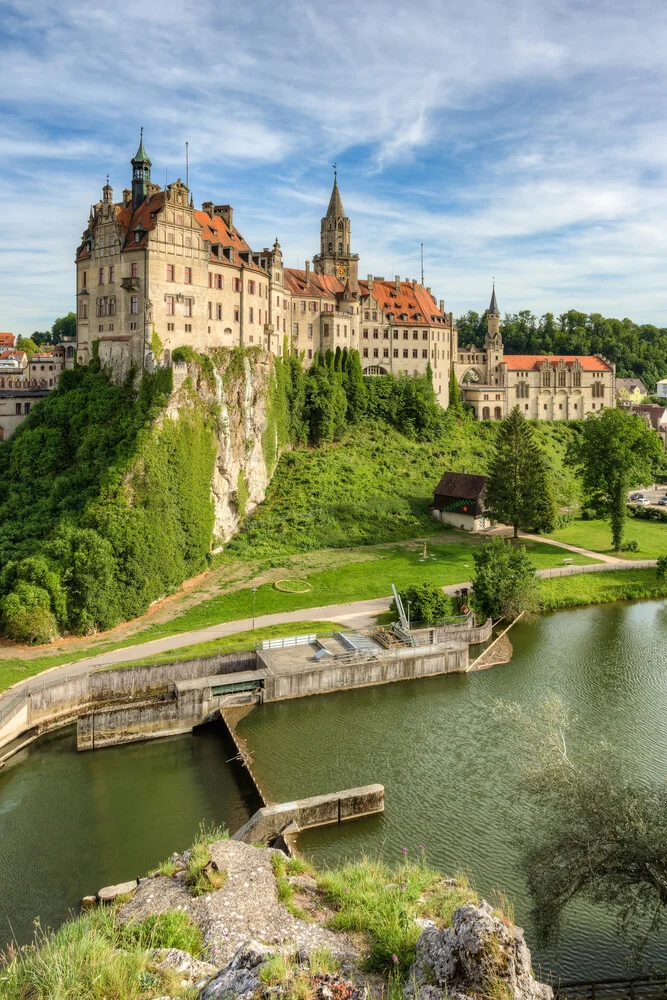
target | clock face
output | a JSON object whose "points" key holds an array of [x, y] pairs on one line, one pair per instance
{"points": [[341, 270]]}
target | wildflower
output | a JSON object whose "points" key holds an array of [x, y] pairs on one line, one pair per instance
{"points": [[404, 887], [404, 851], [421, 847], [346, 889], [394, 959]]}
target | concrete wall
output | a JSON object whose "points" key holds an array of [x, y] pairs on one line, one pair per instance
{"points": [[130, 723], [14, 724], [454, 633], [404, 664], [321, 810]]}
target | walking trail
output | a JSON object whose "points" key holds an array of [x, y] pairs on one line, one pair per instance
{"points": [[358, 614]]}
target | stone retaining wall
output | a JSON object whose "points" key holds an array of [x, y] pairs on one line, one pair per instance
{"points": [[321, 810]]}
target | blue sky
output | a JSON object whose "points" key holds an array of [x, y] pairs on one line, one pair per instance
{"points": [[524, 139]]}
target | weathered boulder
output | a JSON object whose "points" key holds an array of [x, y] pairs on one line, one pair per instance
{"points": [[241, 977], [480, 953], [193, 971]]}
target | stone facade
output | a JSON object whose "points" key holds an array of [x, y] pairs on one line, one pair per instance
{"points": [[24, 382], [153, 274], [544, 387]]}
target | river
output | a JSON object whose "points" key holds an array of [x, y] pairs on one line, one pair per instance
{"points": [[70, 823]]}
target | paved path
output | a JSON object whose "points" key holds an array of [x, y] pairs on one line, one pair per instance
{"points": [[358, 614], [574, 548]]}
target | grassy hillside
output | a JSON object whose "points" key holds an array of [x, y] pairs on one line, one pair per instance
{"points": [[376, 486]]}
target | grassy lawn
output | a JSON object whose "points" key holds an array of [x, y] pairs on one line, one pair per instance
{"points": [[600, 588], [596, 535], [235, 642]]}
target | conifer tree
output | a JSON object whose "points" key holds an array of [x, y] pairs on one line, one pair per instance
{"points": [[355, 388], [343, 361], [455, 404], [519, 490], [338, 366], [329, 360]]}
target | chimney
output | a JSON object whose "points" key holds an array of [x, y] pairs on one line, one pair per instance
{"points": [[441, 306], [127, 197], [307, 271], [370, 283], [397, 284], [429, 292], [225, 212], [207, 206]]}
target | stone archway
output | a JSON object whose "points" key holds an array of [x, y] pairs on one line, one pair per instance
{"points": [[472, 376], [375, 370], [486, 413]]}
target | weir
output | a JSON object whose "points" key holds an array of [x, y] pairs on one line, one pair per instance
{"points": [[129, 704]]}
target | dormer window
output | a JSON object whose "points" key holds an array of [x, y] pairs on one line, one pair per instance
{"points": [[137, 237]]}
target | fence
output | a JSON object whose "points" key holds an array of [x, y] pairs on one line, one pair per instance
{"points": [[613, 989]]}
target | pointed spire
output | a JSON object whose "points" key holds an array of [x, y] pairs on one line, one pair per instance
{"points": [[335, 209], [493, 308], [141, 155]]}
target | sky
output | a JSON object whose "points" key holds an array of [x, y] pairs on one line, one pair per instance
{"points": [[524, 140]]}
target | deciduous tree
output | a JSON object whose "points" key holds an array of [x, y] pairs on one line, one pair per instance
{"points": [[616, 450], [504, 583]]}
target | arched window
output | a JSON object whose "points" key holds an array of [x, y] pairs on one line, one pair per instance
{"points": [[2, 433], [486, 413], [330, 247], [2, 383], [340, 247], [340, 226], [497, 413]]}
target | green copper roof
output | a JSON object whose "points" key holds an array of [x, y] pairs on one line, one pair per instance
{"points": [[141, 154]]}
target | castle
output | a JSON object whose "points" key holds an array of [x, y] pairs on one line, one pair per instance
{"points": [[154, 273]]}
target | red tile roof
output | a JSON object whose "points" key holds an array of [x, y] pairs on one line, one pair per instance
{"points": [[7, 339], [216, 230], [533, 362], [412, 301], [323, 286]]}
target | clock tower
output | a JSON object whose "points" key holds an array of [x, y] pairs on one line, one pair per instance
{"points": [[334, 256]]}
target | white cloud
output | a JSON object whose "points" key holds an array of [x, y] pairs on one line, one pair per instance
{"points": [[520, 139]]}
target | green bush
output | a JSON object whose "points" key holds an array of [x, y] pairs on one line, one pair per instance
{"points": [[630, 546], [426, 604], [26, 614], [662, 568]]}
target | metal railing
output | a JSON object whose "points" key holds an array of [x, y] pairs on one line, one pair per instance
{"points": [[648, 988]]}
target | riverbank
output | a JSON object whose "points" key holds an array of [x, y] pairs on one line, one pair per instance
{"points": [[600, 588]]}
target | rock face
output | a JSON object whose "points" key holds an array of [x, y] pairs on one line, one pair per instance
{"points": [[478, 954], [246, 908]]}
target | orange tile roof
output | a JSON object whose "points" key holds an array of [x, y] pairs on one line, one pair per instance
{"points": [[411, 301], [323, 286], [532, 362], [7, 339], [216, 230]]}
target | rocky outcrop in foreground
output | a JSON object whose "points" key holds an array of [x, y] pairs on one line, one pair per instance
{"points": [[258, 949], [480, 954]]}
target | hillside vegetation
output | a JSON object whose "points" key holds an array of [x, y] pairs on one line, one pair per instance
{"points": [[104, 504], [376, 485]]}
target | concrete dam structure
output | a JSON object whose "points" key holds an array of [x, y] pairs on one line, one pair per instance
{"points": [[125, 705]]}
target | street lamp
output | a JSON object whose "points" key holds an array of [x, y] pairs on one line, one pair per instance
{"points": [[409, 604], [253, 591]]}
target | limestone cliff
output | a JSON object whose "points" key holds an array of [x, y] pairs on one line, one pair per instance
{"points": [[239, 387]]}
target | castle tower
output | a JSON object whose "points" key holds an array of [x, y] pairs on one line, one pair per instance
{"points": [[493, 337], [334, 256], [107, 193], [141, 174]]}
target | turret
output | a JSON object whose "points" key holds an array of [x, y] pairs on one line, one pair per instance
{"points": [[493, 320], [141, 174]]}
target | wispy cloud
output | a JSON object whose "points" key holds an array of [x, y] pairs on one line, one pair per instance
{"points": [[513, 138]]}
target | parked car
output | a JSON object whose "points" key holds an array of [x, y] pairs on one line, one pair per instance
{"points": [[636, 496], [642, 502], [662, 502]]}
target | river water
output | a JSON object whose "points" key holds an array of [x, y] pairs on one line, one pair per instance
{"points": [[70, 823]]}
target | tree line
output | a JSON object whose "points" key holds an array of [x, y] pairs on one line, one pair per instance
{"points": [[637, 350]]}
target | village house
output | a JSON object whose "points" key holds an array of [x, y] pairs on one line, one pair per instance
{"points": [[458, 499], [630, 391], [655, 416], [7, 340]]}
